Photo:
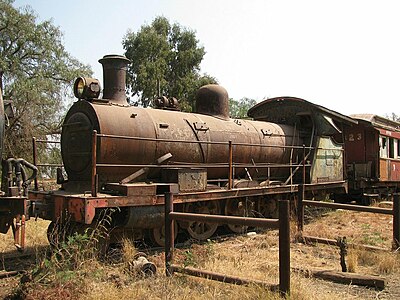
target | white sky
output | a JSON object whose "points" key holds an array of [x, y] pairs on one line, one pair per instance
{"points": [[342, 54]]}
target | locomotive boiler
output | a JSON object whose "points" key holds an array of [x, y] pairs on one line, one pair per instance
{"points": [[190, 138], [126, 158]]}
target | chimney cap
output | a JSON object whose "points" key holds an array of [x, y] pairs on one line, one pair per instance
{"points": [[114, 56]]}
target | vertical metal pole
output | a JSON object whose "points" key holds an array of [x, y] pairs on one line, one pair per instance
{"points": [[94, 161], [34, 152], [300, 210], [284, 247], [22, 232], [396, 221], [230, 178], [17, 229], [304, 164], [169, 233]]}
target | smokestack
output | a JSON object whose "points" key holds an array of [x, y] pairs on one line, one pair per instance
{"points": [[114, 78]]}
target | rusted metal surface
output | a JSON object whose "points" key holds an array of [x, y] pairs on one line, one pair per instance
{"points": [[145, 123], [286, 110], [94, 160], [370, 209], [23, 232], [145, 170], [213, 100], [396, 222], [362, 151], [144, 217], [221, 277], [284, 247], [230, 177], [188, 179], [284, 242], [371, 155], [19, 232], [114, 73], [243, 221], [169, 233], [300, 209], [82, 208], [313, 239], [133, 189], [34, 151]]}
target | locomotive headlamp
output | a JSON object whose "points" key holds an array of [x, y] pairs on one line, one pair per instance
{"points": [[86, 88]]}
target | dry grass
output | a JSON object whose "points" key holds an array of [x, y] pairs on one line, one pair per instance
{"points": [[252, 257], [357, 227], [36, 236]]}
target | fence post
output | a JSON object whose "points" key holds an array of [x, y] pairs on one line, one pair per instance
{"points": [[169, 233], [396, 221], [94, 161], [300, 210], [304, 164], [284, 247]]}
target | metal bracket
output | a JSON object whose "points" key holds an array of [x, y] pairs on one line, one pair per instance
{"points": [[200, 126], [266, 132]]}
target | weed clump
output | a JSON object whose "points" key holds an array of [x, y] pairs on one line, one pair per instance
{"points": [[72, 262]]}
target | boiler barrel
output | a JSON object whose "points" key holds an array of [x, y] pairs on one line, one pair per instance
{"points": [[84, 117]]}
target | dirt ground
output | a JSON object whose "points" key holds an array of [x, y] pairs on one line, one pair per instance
{"points": [[253, 255]]}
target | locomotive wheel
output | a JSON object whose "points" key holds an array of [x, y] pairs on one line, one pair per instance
{"points": [[237, 207], [199, 230], [157, 235], [268, 208]]}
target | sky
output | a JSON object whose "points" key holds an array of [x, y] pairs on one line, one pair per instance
{"points": [[341, 54]]}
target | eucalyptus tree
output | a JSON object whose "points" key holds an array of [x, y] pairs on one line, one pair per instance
{"points": [[36, 73], [165, 60]]}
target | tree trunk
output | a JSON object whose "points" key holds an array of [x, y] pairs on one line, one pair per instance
{"points": [[1, 80]]}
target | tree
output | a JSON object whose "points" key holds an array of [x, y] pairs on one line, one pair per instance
{"points": [[36, 73], [238, 109], [165, 60], [393, 117]]}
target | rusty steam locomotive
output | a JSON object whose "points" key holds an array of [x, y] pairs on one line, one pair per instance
{"points": [[126, 157]]}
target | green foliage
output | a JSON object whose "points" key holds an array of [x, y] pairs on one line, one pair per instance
{"points": [[189, 259], [73, 260], [36, 73], [199, 255], [165, 60], [238, 109]]}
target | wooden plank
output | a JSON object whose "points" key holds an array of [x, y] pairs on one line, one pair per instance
{"points": [[345, 278]]}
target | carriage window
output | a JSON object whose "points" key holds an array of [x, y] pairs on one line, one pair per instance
{"points": [[383, 148], [398, 148], [391, 148]]}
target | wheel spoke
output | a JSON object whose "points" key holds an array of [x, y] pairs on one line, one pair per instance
{"points": [[201, 230], [238, 207]]}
